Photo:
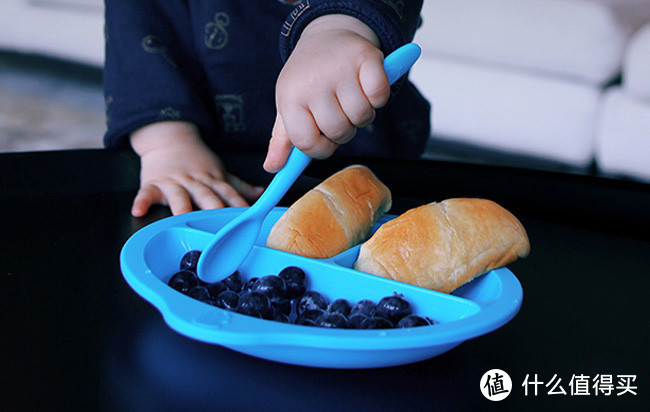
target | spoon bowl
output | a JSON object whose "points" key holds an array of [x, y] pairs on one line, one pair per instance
{"points": [[233, 242]]}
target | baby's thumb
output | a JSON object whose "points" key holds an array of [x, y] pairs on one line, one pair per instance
{"points": [[279, 147], [374, 82]]}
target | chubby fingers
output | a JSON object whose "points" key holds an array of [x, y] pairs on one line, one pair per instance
{"points": [[181, 196], [318, 124], [147, 196], [305, 135], [279, 147], [247, 191], [354, 103], [332, 120], [318, 128], [374, 82], [175, 196]]}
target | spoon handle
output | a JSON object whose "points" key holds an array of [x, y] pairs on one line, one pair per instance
{"points": [[282, 181], [400, 61]]}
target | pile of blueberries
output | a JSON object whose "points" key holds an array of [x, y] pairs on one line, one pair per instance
{"points": [[285, 298]]}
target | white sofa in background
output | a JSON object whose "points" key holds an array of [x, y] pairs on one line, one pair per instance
{"points": [[523, 76], [623, 131], [70, 30]]}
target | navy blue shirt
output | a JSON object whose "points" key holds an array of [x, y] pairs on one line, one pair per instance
{"points": [[215, 63]]}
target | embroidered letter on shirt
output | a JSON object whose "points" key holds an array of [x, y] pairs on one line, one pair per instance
{"points": [[152, 44], [169, 113], [293, 16], [216, 35], [231, 112]]}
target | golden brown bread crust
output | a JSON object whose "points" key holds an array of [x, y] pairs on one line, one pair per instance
{"points": [[332, 217], [443, 245]]}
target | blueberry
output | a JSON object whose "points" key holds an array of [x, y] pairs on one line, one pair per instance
{"points": [[341, 306], [248, 286], [234, 282], [215, 289], [365, 306], [271, 286], [355, 320], [393, 308], [332, 320], [227, 300], [311, 300], [255, 304], [183, 281], [282, 306], [412, 321], [294, 279], [190, 260], [309, 316], [199, 293], [376, 322]]}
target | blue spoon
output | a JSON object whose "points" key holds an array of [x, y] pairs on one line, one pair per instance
{"points": [[233, 242]]}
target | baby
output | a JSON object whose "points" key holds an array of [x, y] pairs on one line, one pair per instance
{"points": [[184, 79]]}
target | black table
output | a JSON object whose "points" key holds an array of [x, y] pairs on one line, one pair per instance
{"points": [[75, 336]]}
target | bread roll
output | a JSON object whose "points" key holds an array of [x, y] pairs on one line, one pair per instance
{"points": [[332, 217], [441, 246]]}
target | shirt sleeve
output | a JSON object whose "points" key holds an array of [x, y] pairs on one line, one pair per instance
{"points": [[148, 73], [394, 22]]}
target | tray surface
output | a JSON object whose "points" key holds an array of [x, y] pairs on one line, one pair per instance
{"points": [[152, 255]]}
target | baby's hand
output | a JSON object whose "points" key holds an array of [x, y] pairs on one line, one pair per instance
{"points": [[179, 170], [330, 85]]}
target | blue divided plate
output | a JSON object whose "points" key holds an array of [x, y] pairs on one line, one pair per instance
{"points": [[152, 255]]}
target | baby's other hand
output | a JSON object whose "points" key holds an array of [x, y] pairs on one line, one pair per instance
{"points": [[179, 170], [330, 85]]}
